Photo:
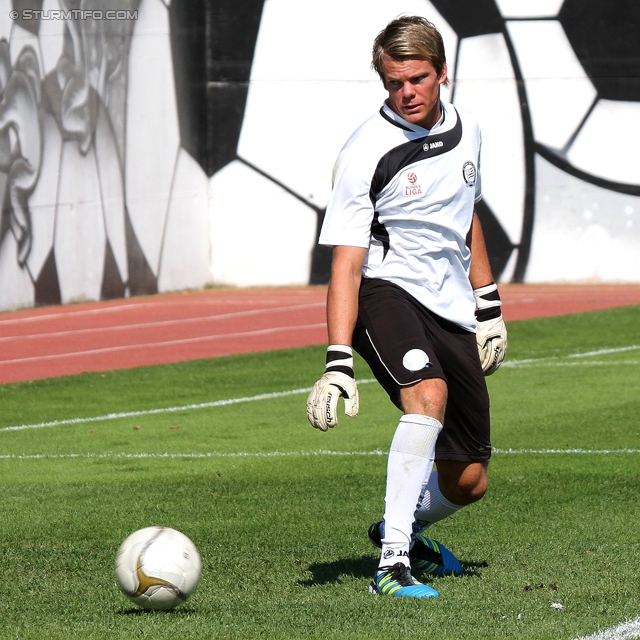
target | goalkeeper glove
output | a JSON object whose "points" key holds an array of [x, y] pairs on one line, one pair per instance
{"points": [[491, 333], [338, 380]]}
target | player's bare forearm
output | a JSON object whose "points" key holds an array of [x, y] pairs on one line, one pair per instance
{"points": [[339, 380], [480, 270], [491, 332], [342, 297]]}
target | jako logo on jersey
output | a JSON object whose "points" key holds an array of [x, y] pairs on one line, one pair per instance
{"points": [[427, 146], [412, 189], [469, 173]]}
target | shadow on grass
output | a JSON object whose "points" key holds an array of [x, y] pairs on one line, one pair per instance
{"points": [[334, 572], [470, 568], [364, 567], [138, 611]]}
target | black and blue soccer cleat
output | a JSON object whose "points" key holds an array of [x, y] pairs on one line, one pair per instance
{"points": [[397, 581], [426, 555]]}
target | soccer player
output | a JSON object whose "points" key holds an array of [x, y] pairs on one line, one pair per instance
{"points": [[412, 292]]}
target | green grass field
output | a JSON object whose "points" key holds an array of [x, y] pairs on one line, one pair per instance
{"points": [[279, 511]]}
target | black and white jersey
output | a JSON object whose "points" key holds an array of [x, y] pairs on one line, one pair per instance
{"points": [[407, 195]]}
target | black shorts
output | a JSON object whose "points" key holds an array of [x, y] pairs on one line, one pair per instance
{"points": [[394, 332]]}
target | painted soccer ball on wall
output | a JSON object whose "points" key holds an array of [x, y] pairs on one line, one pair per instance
{"points": [[580, 70], [158, 568], [527, 68]]}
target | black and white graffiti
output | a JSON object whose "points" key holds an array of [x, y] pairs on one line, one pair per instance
{"points": [[100, 199]]}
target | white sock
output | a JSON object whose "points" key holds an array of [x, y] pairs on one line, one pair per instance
{"points": [[433, 506], [410, 461]]}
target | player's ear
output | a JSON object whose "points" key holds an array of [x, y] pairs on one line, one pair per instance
{"points": [[443, 76]]}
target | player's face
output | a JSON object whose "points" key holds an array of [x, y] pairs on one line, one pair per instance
{"points": [[414, 90]]}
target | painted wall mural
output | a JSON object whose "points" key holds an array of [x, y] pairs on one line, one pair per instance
{"points": [[100, 198], [554, 84], [157, 145]]}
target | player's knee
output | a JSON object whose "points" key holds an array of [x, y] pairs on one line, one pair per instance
{"points": [[427, 397]]}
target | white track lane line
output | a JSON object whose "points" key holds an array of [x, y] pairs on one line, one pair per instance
{"points": [[262, 396], [625, 631], [163, 323], [75, 312], [72, 312], [166, 343]]}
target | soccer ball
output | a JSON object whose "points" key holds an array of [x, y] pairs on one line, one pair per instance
{"points": [[158, 568]]}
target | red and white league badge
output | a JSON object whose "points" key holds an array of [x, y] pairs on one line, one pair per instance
{"points": [[412, 189]]}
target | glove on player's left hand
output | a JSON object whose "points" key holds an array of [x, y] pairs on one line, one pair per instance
{"points": [[338, 380], [491, 332]]}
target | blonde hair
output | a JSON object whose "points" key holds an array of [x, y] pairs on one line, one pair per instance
{"points": [[409, 37]]}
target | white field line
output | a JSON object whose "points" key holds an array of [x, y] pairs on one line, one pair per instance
{"points": [[192, 456], [147, 412], [625, 631], [514, 364], [163, 323], [111, 455], [553, 451], [588, 354], [584, 354], [167, 343], [187, 407], [262, 396]]}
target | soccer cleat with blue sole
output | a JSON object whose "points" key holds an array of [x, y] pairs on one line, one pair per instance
{"points": [[432, 557], [426, 555], [397, 581]]}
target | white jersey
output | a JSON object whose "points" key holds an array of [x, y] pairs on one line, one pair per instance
{"points": [[407, 195]]}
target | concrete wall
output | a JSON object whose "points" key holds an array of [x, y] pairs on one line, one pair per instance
{"points": [[185, 143]]}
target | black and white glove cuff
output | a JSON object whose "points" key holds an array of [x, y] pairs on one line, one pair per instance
{"points": [[340, 358], [488, 303]]}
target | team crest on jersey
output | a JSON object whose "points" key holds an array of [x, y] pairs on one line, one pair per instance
{"points": [[469, 173], [412, 188]]}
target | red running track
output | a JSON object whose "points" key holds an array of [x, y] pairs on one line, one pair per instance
{"points": [[66, 340]]}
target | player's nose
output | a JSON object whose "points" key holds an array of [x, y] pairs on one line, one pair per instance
{"points": [[408, 90]]}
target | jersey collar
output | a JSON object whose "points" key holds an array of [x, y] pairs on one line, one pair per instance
{"points": [[391, 116]]}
